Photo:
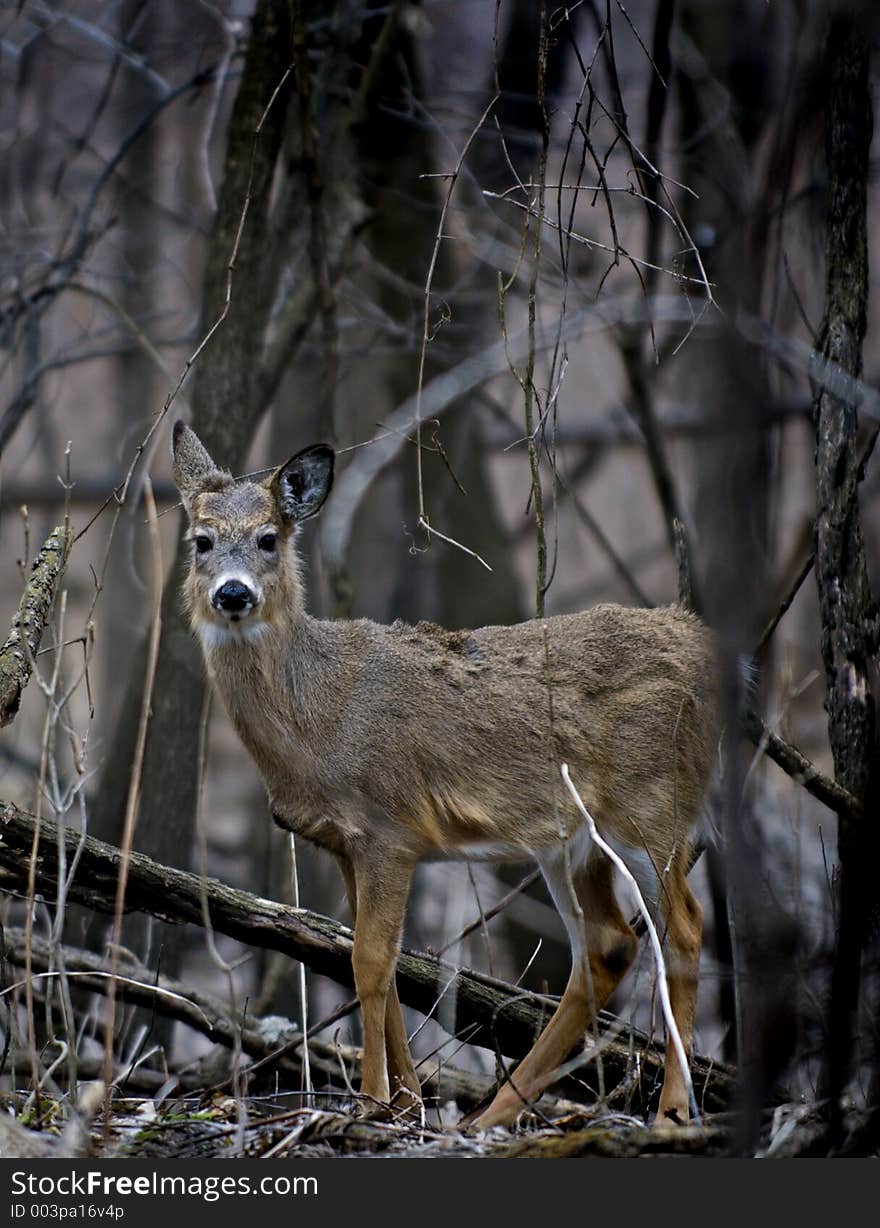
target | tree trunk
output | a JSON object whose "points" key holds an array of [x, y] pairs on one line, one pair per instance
{"points": [[224, 415], [848, 609], [728, 55]]}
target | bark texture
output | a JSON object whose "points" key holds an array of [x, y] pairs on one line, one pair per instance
{"points": [[17, 654], [847, 605]]}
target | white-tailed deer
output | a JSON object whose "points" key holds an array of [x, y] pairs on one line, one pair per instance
{"points": [[388, 745]]}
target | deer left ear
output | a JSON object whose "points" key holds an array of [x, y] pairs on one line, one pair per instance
{"points": [[192, 468], [303, 483]]}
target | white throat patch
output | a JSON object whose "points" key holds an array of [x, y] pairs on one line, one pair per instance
{"points": [[220, 635]]}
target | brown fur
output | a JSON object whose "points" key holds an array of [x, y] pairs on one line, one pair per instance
{"points": [[388, 745]]}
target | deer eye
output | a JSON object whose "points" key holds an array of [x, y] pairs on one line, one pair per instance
{"points": [[203, 543], [267, 541]]}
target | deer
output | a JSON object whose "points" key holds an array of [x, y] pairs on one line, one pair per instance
{"points": [[389, 745]]}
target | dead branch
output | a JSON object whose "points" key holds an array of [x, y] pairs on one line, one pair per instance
{"points": [[144, 1080], [603, 1140], [796, 765], [497, 1015], [809, 560], [17, 654], [273, 1043]]}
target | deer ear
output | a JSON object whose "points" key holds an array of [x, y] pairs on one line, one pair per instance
{"points": [[191, 464], [303, 483]]}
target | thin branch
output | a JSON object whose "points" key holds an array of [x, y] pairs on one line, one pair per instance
{"points": [[662, 982], [800, 768], [426, 332], [480, 922], [134, 789]]}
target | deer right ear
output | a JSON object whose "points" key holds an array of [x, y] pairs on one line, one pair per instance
{"points": [[301, 486], [191, 466]]}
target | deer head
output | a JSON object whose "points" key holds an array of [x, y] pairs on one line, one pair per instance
{"points": [[244, 576]]}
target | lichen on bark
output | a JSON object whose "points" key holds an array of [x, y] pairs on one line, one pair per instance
{"points": [[18, 653]]}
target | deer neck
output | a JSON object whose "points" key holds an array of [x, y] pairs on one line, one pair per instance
{"points": [[274, 680]]}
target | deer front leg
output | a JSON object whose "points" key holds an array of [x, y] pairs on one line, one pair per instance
{"points": [[401, 1072], [382, 891]]}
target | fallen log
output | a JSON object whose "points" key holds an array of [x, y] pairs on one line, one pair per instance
{"points": [[491, 1013], [18, 653], [271, 1043]]}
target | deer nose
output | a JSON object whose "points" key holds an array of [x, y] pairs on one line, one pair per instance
{"points": [[233, 597]]}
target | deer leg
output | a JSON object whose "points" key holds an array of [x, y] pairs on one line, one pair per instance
{"points": [[683, 917], [381, 894], [401, 1072], [612, 947]]}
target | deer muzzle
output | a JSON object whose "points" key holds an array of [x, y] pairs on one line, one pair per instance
{"points": [[234, 598]]}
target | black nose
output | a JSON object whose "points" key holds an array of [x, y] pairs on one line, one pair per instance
{"points": [[232, 597]]}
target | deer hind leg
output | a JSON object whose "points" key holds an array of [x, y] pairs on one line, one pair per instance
{"points": [[378, 903], [683, 919], [603, 945]]}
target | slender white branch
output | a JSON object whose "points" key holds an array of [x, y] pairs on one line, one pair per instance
{"points": [[423, 524], [303, 986], [662, 982], [117, 976]]}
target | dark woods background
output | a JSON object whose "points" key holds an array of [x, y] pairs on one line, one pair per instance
{"points": [[616, 260]]}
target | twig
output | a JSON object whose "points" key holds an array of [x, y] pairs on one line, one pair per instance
{"points": [[134, 788], [52, 709], [426, 331], [97, 974], [810, 560], [303, 987], [527, 380], [677, 276], [480, 922], [436, 397], [224, 965]]}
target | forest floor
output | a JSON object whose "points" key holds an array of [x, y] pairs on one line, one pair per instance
{"points": [[221, 1127]]}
